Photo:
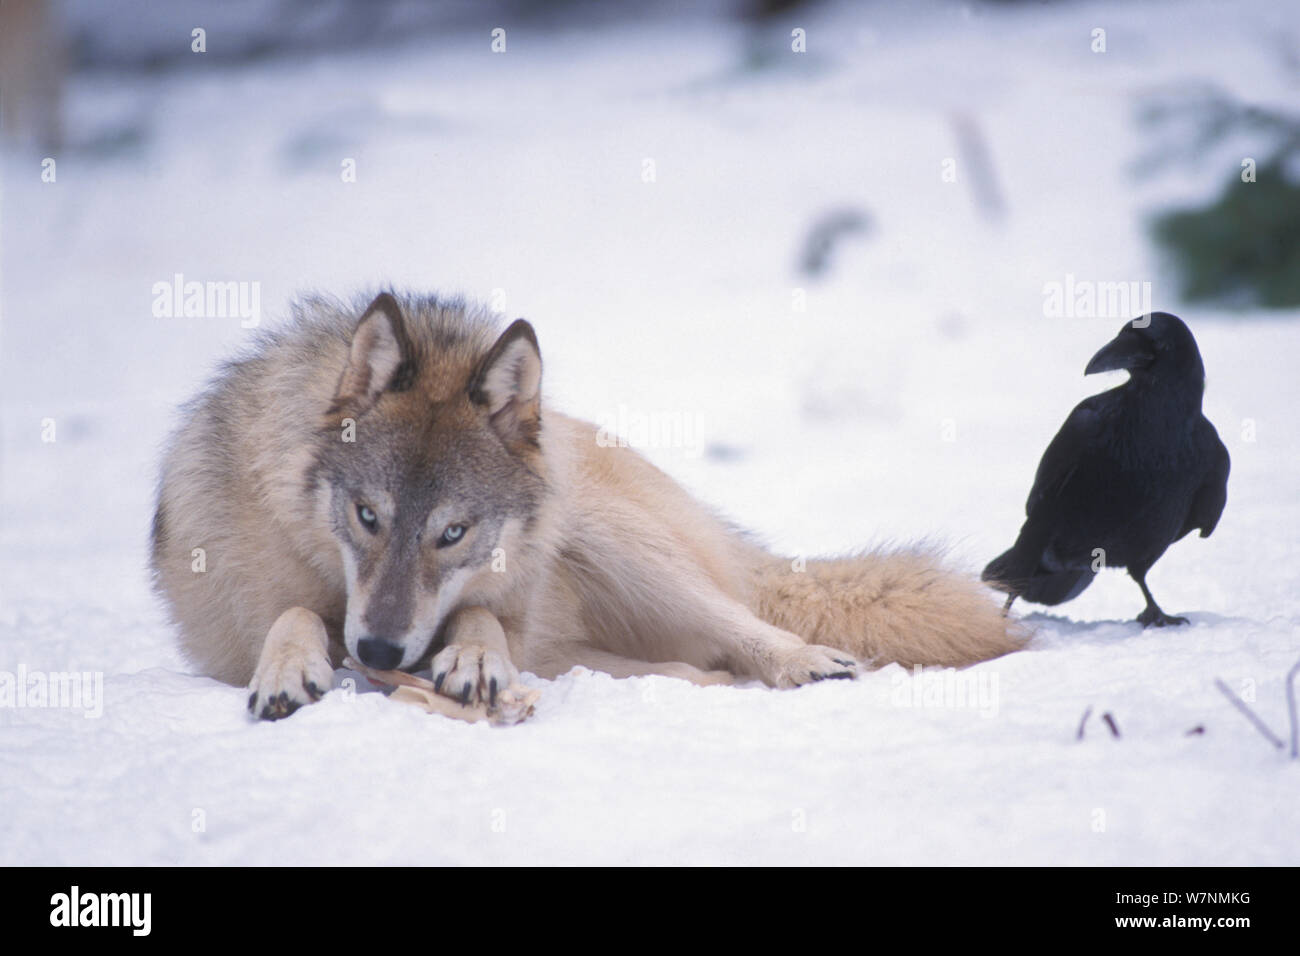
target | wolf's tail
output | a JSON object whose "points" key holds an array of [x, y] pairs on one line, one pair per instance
{"points": [[892, 606]]}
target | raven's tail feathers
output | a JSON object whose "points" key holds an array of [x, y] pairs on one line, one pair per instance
{"points": [[1036, 585], [998, 573]]}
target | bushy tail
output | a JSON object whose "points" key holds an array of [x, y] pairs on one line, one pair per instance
{"points": [[883, 607]]}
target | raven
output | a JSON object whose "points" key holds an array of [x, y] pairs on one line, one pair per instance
{"points": [[1131, 471]]}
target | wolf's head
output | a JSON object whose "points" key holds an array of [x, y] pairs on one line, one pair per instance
{"points": [[429, 463]]}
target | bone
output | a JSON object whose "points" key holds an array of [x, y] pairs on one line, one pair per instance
{"points": [[514, 704]]}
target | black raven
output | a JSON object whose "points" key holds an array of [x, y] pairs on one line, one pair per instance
{"points": [[1131, 471]]}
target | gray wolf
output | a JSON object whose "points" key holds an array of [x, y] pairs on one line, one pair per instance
{"points": [[385, 481], [1131, 471]]}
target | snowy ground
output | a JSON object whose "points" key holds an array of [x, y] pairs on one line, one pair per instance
{"points": [[910, 398]]}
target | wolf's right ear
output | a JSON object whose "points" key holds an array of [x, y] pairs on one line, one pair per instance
{"points": [[508, 383], [381, 357]]}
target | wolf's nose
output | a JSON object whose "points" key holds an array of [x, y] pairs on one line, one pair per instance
{"points": [[378, 653]]}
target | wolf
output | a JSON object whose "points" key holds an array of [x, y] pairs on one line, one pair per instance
{"points": [[383, 480]]}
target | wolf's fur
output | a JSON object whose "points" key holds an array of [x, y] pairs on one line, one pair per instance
{"points": [[573, 553]]}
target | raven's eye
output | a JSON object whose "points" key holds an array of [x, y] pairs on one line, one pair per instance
{"points": [[368, 518], [451, 534]]}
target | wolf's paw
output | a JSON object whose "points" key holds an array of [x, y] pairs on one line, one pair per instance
{"points": [[294, 668], [814, 662], [278, 690], [471, 673]]}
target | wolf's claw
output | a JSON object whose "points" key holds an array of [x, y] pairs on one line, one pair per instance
{"points": [[278, 706], [812, 663], [273, 704], [471, 673], [294, 669]]}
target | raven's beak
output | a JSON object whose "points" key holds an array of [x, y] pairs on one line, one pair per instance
{"points": [[1125, 351]]}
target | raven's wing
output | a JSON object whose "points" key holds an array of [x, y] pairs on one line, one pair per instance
{"points": [[1072, 445], [1210, 498], [1019, 571]]}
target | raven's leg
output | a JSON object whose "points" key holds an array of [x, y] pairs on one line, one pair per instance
{"points": [[1151, 616], [1006, 608]]}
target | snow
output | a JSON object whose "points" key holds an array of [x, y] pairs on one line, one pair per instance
{"points": [[910, 399]]}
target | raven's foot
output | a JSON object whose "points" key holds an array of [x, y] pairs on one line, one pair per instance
{"points": [[1154, 617]]}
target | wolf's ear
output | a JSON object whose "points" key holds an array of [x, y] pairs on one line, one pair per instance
{"points": [[380, 358], [508, 383]]}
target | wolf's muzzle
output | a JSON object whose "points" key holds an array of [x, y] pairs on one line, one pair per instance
{"points": [[378, 653]]}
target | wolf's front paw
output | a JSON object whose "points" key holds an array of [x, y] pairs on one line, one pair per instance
{"points": [[814, 662], [472, 673], [281, 688], [294, 668]]}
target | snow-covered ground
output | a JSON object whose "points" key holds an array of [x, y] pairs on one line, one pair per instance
{"points": [[910, 396]]}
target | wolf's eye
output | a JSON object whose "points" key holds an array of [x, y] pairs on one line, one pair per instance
{"points": [[367, 517], [451, 534]]}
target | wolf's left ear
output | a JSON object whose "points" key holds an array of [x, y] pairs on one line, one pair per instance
{"points": [[508, 383], [381, 357]]}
